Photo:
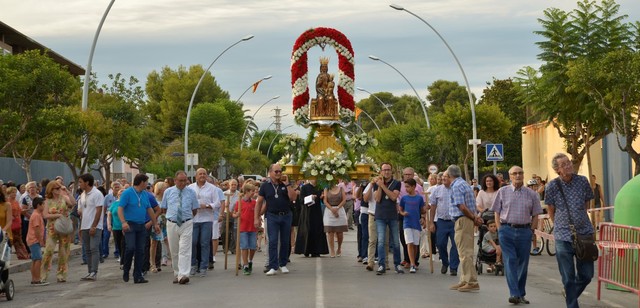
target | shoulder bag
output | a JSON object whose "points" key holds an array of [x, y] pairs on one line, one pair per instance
{"points": [[584, 246], [63, 225]]}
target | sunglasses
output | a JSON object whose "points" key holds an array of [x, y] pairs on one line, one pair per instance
{"points": [[277, 171]]}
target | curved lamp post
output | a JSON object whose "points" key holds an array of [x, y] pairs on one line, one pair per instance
{"points": [[424, 110], [193, 96], [265, 131], [87, 77], [372, 120], [274, 139], [244, 134], [381, 102], [475, 140], [251, 86]]}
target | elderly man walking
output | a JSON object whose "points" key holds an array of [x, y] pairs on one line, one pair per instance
{"points": [[516, 210], [568, 198], [180, 204], [444, 226], [463, 211], [203, 221]]}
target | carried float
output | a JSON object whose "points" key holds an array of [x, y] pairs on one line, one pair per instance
{"points": [[325, 155]]}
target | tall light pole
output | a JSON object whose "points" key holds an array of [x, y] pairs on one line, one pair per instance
{"points": [[372, 120], [265, 131], [274, 139], [251, 86], [87, 78], [244, 134], [381, 102], [475, 140], [422, 103], [193, 96]]}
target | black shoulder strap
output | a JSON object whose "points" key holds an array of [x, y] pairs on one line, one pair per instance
{"points": [[566, 204]]}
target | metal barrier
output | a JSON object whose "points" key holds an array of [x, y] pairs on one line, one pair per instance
{"points": [[619, 258]]}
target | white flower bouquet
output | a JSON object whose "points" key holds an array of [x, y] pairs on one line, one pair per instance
{"points": [[360, 143], [327, 167]]}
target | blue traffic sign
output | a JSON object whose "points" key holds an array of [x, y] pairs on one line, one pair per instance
{"points": [[495, 152]]}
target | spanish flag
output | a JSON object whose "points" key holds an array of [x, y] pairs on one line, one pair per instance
{"points": [[255, 85], [358, 111]]}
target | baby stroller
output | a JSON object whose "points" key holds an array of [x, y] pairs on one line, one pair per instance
{"points": [[6, 284], [484, 257]]}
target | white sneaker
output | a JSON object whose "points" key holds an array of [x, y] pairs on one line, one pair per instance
{"points": [[284, 270], [365, 260], [271, 272]]}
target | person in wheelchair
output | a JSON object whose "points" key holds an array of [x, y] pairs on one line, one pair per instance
{"points": [[491, 246]]}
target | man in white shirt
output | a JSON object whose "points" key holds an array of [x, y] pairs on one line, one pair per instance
{"points": [[90, 208], [203, 222]]}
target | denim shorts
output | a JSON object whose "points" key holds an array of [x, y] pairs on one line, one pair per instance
{"points": [[248, 240], [36, 252]]}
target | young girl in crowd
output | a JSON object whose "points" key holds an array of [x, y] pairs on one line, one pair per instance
{"points": [[247, 228]]}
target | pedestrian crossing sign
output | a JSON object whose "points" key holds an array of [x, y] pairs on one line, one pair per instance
{"points": [[495, 152]]}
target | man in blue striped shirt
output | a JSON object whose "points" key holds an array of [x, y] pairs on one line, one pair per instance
{"points": [[180, 204], [463, 211]]}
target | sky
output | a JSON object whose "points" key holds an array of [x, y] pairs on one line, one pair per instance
{"points": [[491, 38]]}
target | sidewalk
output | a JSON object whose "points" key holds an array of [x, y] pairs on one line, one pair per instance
{"points": [[25, 265]]}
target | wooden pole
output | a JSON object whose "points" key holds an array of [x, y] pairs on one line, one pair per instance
{"points": [[226, 234], [429, 243], [239, 205]]}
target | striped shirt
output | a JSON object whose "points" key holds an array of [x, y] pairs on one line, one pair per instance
{"points": [[516, 205], [461, 193]]}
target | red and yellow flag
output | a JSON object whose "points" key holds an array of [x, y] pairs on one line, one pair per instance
{"points": [[358, 111], [255, 85]]}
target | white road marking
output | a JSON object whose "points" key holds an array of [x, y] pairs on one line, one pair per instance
{"points": [[319, 285]]}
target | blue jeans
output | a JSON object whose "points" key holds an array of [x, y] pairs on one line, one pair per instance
{"points": [[515, 244], [394, 241], [106, 235], [574, 282], [445, 232], [201, 237], [135, 240], [279, 227], [364, 239]]}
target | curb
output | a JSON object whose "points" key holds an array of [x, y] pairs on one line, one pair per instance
{"points": [[18, 266]]}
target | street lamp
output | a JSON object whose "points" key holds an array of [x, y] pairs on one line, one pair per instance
{"points": [[381, 102], [424, 110], [251, 86], [274, 139], [475, 140], [372, 120], [193, 96], [87, 78], [244, 134], [265, 131]]}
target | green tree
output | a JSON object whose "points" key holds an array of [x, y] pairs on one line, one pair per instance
{"points": [[442, 92], [588, 32], [505, 94], [408, 145], [612, 82], [455, 129], [169, 92], [30, 82]]}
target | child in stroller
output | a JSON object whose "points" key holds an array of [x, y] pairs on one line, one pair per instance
{"points": [[489, 250]]}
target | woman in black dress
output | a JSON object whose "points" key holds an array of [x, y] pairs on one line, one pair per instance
{"points": [[311, 239]]}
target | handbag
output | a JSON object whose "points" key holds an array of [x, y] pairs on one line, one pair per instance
{"points": [[584, 245], [63, 225]]}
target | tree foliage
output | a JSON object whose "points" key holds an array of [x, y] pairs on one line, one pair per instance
{"points": [[169, 92]]}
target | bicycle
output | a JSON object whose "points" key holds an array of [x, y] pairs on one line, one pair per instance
{"points": [[544, 236]]}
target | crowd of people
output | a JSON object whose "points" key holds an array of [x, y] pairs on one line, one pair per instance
{"points": [[173, 219]]}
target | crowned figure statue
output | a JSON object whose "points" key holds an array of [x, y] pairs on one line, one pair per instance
{"points": [[325, 105]]}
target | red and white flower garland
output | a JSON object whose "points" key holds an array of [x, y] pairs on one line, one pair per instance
{"points": [[299, 69]]}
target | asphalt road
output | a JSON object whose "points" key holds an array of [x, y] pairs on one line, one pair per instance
{"points": [[312, 282]]}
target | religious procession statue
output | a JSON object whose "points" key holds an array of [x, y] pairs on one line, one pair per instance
{"points": [[325, 105]]}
